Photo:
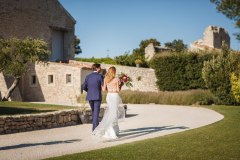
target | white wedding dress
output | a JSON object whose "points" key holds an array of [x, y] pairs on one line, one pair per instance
{"points": [[108, 127]]}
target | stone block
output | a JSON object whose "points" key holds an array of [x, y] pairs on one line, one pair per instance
{"points": [[68, 123], [65, 119], [22, 130], [8, 131], [54, 125], [74, 123], [30, 118], [49, 119], [75, 118], [14, 131], [60, 120], [1, 129], [2, 122], [8, 119], [54, 119], [29, 129]]}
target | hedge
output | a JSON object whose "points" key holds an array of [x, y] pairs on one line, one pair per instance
{"points": [[180, 71]]}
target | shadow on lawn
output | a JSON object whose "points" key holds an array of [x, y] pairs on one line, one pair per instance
{"points": [[133, 133], [16, 110], [38, 144]]}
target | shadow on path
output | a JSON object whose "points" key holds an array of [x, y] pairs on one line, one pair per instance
{"points": [[131, 115], [38, 144], [133, 133]]}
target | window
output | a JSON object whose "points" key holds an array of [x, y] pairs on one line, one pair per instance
{"points": [[50, 79], [68, 78], [33, 80]]}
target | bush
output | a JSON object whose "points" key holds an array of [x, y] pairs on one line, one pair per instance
{"points": [[138, 61], [235, 86], [130, 59], [179, 71], [126, 59], [216, 74]]}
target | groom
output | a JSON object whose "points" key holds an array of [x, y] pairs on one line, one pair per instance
{"points": [[93, 86]]}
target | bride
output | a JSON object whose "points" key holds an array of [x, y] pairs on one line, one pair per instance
{"points": [[108, 128]]}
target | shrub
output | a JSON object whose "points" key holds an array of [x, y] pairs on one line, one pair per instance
{"points": [[98, 60], [216, 74], [235, 86], [138, 61], [179, 71]]}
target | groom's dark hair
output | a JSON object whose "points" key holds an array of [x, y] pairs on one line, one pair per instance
{"points": [[95, 66]]}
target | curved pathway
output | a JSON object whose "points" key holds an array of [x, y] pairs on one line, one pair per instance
{"points": [[142, 122]]}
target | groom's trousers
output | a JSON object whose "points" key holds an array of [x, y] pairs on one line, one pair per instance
{"points": [[95, 106]]}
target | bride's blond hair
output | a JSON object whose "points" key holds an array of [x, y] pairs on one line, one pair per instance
{"points": [[110, 74]]}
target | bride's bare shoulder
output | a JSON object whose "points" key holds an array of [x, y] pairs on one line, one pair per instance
{"points": [[116, 79]]}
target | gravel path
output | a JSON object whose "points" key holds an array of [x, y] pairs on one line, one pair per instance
{"points": [[142, 122]]}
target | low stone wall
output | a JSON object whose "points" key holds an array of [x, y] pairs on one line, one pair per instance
{"points": [[22, 123]]}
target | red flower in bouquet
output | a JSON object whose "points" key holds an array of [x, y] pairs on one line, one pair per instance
{"points": [[125, 80]]}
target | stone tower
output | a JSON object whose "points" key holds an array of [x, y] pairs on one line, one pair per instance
{"points": [[213, 37], [149, 52]]}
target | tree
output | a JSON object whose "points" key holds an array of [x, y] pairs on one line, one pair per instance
{"points": [[126, 59], [145, 43], [230, 8], [16, 55], [77, 45], [137, 53], [176, 45]]}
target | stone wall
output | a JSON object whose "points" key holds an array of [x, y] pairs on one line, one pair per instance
{"points": [[144, 79], [22, 123], [64, 88], [37, 19], [67, 78]]}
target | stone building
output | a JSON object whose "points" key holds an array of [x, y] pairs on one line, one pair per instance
{"points": [[213, 38], [45, 19], [151, 50]]}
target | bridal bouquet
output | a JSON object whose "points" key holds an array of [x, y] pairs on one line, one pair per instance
{"points": [[125, 80]]}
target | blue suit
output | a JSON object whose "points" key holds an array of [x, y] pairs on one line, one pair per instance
{"points": [[93, 86]]}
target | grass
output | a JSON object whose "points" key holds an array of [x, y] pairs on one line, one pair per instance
{"points": [[14, 108], [218, 141], [189, 97]]}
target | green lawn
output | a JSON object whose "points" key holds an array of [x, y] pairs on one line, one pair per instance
{"points": [[14, 108], [218, 141]]}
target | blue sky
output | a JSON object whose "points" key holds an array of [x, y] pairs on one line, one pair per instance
{"points": [[113, 27]]}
